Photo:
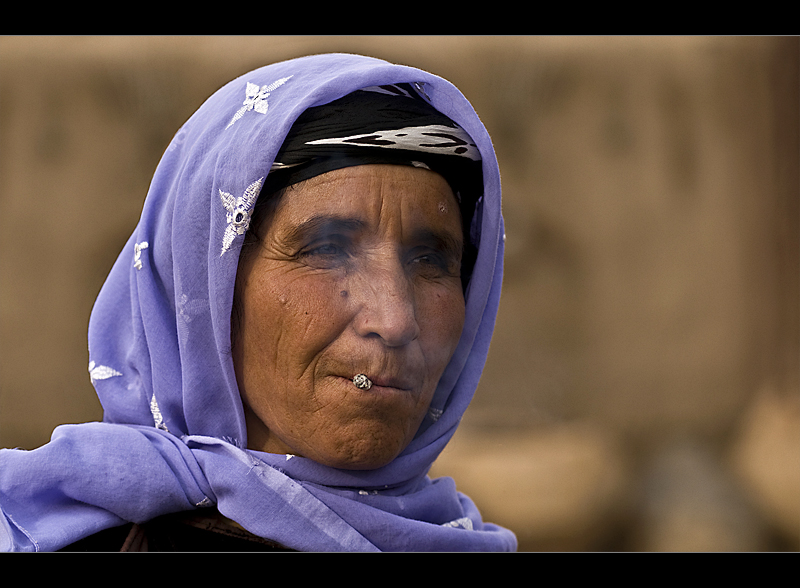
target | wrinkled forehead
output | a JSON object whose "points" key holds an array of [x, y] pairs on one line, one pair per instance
{"points": [[383, 187]]}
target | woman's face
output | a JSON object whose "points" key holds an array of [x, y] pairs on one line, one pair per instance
{"points": [[358, 271]]}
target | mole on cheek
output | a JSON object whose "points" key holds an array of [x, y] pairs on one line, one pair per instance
{"points": [[343, 294]]}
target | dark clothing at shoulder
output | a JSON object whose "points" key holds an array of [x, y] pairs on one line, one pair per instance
{"points": [[190, 531]]}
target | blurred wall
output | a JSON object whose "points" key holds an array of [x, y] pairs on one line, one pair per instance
{"points": [[642, 388]]}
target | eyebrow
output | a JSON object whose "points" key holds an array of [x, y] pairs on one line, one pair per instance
{"points": [[444, 241], [323, 225]]}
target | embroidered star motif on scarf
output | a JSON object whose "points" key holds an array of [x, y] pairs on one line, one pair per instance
{"points": [[256, 99], [101, 372], [239, 211], [158, 419], [462, 523], [137, 254], [187, 310]]}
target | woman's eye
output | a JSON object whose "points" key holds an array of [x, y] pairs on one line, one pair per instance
{"points": [[426, 260], [324, 255], [433, 265], [326, 249]]}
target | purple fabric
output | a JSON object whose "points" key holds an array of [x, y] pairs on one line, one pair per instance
{"points": [[160, 360]]}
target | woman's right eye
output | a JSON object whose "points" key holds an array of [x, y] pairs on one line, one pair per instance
{"points": [[324, 255], [326, 249]]}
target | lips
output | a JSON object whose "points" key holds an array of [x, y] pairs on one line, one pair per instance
{"points": [[385, 381], [391, 382]]}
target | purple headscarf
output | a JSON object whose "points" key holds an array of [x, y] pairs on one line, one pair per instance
{"points": [[173, 436]]}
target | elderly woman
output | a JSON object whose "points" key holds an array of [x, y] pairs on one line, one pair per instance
{"points": [[292, 333]]}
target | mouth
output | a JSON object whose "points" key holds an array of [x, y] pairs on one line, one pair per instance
{"points": [[381, 383]]}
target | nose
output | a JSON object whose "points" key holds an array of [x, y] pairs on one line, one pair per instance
{"points": [[386, 305]]}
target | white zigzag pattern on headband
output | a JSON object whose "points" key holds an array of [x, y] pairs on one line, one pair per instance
{"points": [[430, 139]]}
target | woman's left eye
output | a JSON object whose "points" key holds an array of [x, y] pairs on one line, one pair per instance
{"points": [[427, 259], [432, 264]]}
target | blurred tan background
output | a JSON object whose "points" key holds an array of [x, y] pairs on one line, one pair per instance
{"points": [[642, 390]]}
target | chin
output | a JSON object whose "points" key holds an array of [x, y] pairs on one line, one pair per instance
{"points": [[362, 456]]}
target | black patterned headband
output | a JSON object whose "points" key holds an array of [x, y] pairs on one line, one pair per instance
{"points": [[380, 124]]}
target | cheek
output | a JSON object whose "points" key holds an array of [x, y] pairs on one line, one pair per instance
{"points": [[442, 318], [308, 314], [286, 324]]}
